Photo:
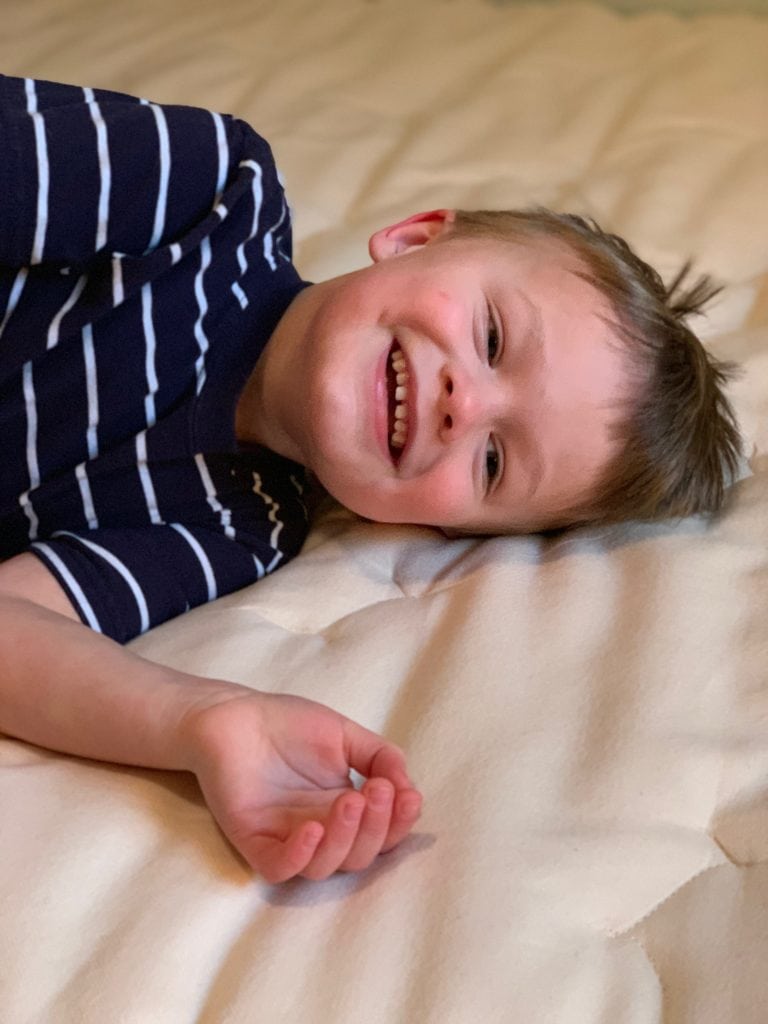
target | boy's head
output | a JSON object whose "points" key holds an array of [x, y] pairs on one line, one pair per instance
{"points": [[500, 372], [678, 443]]}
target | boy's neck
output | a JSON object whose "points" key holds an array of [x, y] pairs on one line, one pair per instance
{"points": [[259, 416]]}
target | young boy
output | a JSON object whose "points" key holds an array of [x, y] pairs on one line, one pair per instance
{"points": [[165, 375]]}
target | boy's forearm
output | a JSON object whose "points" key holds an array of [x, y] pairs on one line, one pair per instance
{"points": [[64, 687]]}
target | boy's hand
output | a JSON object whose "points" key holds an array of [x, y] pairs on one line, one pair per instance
{"points": [[274, 771]]}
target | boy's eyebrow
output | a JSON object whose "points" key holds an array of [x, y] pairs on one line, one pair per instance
{"points": [[534, 333], [534, 351], [535, 463], [529, 455]]}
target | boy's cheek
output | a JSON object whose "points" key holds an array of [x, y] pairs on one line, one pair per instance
{"points": [[440, 500]]}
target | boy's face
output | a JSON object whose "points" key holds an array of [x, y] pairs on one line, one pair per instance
{"points": [[513, 380]]}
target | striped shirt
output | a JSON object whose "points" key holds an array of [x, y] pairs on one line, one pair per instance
{"points": [[145, 259]]}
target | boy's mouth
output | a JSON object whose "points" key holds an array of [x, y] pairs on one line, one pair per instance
{"points": [[397, 392]]}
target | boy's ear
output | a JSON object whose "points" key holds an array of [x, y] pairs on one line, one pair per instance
{"points": [[411, 233]]}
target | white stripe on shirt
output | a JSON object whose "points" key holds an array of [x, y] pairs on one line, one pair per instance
{"points": [[224, 514], [43, 173], [146, 478], [13, 299], [29, 512], [149, 361], [240, 295], [105, 169], [223, 153], [118, 292], [274, 508], [205, 564], [120, 568], [257, 189], [30, 405], [165, 174], [269, 240], [77, 591], [202, 303], [86, 497], [92, 390], [53, 330]]}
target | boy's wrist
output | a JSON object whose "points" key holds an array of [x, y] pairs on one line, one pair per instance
{"points": [[192, 732]]}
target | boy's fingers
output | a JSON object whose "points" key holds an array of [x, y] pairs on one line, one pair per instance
{"points": [[374, 825], [370, 755], [359, 827], [389, 763], [278, 861], [340, 831], [405, 814]]}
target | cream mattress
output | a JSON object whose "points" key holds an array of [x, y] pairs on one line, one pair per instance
{"points": [[587, 717]]}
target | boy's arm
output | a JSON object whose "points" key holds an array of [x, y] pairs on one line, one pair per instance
{"points": [[274, 769], [90, 170]]}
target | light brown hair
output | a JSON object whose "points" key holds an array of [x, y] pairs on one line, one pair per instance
{"points": [[678, 439]]}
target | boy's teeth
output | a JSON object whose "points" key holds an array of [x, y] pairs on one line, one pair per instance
{"points": [[400, 428]]}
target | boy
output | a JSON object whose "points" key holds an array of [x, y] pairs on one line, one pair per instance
{"points": [[165, 375]]}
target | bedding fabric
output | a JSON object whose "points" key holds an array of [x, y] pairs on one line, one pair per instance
{"points": [[587, 716]]}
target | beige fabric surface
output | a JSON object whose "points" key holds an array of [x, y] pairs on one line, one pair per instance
{"points": [[587, 716]]}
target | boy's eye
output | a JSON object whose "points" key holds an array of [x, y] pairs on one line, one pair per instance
{"points": [[492, 343], [491, 461]]}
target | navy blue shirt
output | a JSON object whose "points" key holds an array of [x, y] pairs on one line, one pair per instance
{"points": [[145, 259]]}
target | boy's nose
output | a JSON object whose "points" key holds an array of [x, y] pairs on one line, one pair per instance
{"points": [[460, 406]]}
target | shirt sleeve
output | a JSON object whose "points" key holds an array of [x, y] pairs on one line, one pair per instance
{"points": [[123, 582], [86, 171]]}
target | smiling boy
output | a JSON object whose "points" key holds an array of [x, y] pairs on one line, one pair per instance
{"points": [[511, 382], [165, 375]]}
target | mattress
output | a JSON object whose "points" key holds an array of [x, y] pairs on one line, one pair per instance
{"points": [[586, 715]]}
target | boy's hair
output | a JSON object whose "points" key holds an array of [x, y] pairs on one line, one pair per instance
{"points": [[678, 441]]}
